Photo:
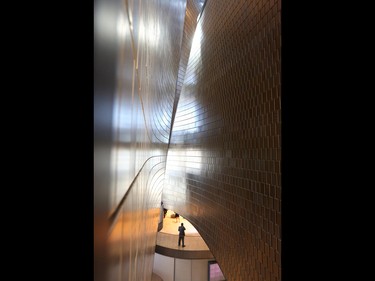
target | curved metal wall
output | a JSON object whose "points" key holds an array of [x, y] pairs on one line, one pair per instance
{"points": [[222, 171], [223, 164], [137, 48]]}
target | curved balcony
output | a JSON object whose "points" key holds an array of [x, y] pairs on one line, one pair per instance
{"points": [[167, 240]]}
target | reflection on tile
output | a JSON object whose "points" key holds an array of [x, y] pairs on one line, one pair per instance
{"points": [[193, 121], [223, 164]]}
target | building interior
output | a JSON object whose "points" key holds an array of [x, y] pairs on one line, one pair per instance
{"points": [[187, 118]]}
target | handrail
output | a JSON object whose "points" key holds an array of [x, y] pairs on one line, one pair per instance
{"points": [[112, 217]]}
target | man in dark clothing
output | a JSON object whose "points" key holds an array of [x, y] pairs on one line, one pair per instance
{"points": [[181, 235]]}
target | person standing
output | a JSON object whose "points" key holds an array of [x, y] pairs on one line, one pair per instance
{"points": [[181, 235]]}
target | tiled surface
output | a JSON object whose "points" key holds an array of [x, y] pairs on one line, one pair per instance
{"points": [[132, 237], [193, 8], [137, 47], [223, 165]]}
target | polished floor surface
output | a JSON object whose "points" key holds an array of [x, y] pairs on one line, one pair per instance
{"points": [[168, 235]]}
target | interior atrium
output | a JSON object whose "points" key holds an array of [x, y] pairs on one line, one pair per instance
{"points": [[187, 118]]}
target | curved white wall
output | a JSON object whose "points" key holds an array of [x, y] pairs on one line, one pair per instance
{"points": [[172, 269]]}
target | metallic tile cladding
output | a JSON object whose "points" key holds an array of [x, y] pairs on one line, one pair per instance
{"points": [[193, 8], [223, 163], [132, 238], [137, 47]]}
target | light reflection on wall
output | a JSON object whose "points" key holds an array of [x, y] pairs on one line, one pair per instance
{"points": [[137, 51], [189, 109], [185, 122], [196, 46], [229, 112], [122, 27], [181, 164], [153, 34], [185, 162], [191, 159]]}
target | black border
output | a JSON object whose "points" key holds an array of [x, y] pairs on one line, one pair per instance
{"points": [[49, 105], [323, 124]]}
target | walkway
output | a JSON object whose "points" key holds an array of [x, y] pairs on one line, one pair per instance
{"points": [[167, 240]]}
